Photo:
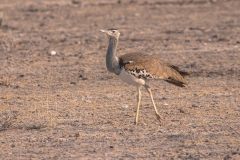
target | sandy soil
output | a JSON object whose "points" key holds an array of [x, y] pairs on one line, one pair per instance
{"points": [[67, 106]]}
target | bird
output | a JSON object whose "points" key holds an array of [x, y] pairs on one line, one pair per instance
{"points": [[138, 69]]}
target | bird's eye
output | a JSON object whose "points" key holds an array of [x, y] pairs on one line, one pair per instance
{"points": [[113, 31]]}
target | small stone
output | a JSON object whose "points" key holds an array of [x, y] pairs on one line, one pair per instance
{"points": [[111, 147], [163, 98], [74, 83], [76, 2], [21, 75], [181, 111], [82, 77], [53, 53], [165, 104], [77, 135], [194, 105]]}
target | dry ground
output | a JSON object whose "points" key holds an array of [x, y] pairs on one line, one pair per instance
{"points": [[67, 106]]}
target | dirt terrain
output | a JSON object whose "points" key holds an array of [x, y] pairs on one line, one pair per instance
{"points": [[57, 100]]}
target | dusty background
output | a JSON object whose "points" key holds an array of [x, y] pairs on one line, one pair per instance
{"points": [[67, 106]]}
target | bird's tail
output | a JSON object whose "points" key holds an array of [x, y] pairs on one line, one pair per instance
{"points": [[183, 73], [176, 82], [177, 77]]}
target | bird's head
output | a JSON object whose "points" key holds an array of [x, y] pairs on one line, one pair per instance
{"points": [[111, 33]]}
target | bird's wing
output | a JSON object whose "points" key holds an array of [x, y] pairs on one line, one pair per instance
{"points": [[151, 66]]}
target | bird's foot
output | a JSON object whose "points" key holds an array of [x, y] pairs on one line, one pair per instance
{"points": [[158, 117], [136, 121]]}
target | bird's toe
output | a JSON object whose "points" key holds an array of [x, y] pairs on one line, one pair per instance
{"points": [[158, 117]]}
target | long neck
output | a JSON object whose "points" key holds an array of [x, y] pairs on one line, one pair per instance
{"points": [[112, 61]]}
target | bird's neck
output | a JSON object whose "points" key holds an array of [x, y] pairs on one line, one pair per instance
{"points": [[112, 61]]}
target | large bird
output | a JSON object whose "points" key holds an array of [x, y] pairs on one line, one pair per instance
{"points": [[136, 69]]}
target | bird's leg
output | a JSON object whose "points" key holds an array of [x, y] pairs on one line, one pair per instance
{"points": [[138, 103], [155, 108]]}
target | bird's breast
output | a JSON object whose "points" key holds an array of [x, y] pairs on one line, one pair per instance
{"points": [[131, 79]]}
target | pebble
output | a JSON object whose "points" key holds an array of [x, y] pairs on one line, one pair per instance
{"points": [[53, 53], [165, 104], [125, 106]]}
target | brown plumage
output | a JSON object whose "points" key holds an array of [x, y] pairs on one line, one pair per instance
{"points": [[157, 68]]}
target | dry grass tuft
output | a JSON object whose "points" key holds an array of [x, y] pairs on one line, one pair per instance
{"points": [[5, 82], [7, 119], [36, 126]]}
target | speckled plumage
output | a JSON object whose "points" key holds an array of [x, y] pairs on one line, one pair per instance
{"points": [[150, 67]]}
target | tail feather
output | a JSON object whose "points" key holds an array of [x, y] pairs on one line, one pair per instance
{"points": [[183, 73], [176, 82], [177, 77]]}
